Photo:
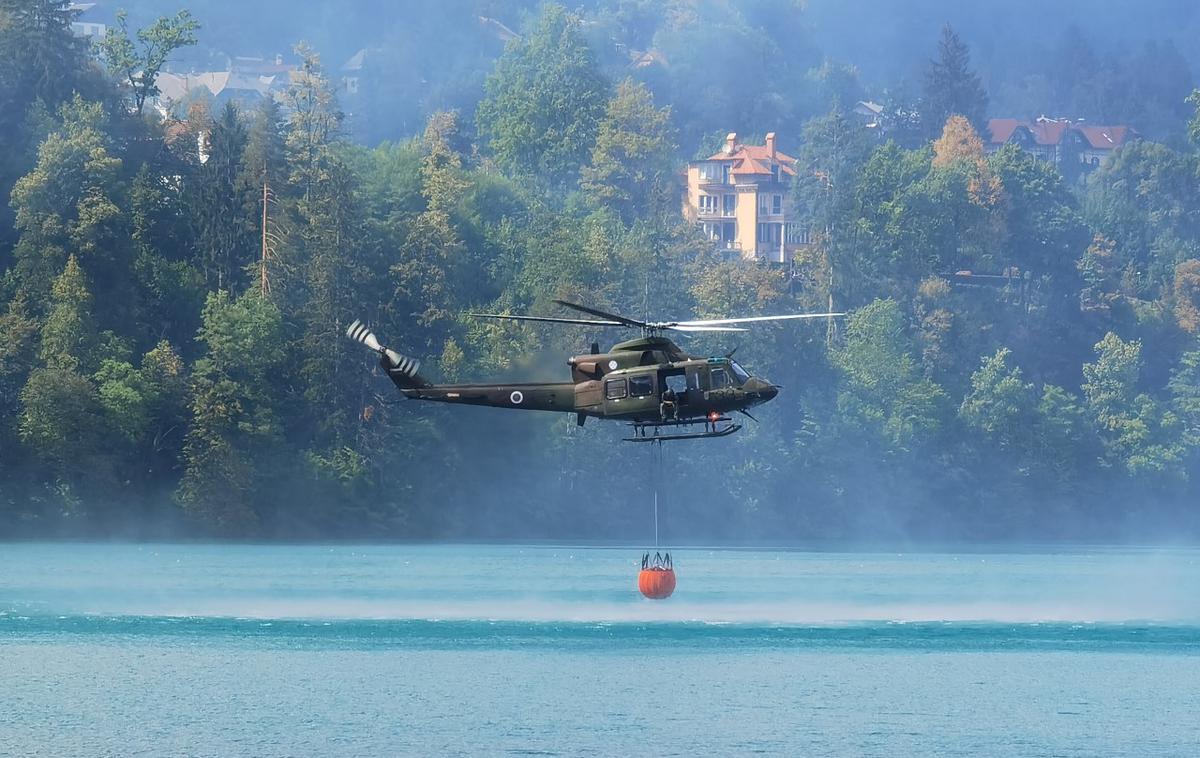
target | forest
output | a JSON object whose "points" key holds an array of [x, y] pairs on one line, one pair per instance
{"points": [[175, 290]]}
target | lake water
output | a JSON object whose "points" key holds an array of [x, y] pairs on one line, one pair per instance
{"points": [[480, 650]]}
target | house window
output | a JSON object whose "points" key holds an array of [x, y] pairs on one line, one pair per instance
{"points": [[709, 172], [730, 233], [725, 168], [614, 389], [708, 203], [775, 171], [762, 205], [768, 233], [777, 204], [730, 202], [797, 234], [641, 386]]}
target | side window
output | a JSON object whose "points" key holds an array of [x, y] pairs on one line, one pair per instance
{"points": [[614, 389], [640, 386], [719, 379]]}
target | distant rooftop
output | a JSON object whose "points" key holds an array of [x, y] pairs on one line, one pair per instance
{"points": [[754, 159], [1050, 131]]}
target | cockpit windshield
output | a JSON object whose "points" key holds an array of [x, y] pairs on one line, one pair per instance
{"points": [[739, 373]]}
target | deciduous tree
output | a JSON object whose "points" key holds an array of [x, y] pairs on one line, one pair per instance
{"points": [[545, 101]]}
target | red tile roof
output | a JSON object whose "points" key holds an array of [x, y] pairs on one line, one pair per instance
{"points": [[1107, 137], [1050, 132], [755, 159]]}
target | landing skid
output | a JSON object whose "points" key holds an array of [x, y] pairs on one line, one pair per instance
{"points": [[651, 431]]}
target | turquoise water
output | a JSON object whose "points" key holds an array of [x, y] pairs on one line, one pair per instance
{"points": [[403, 650]]}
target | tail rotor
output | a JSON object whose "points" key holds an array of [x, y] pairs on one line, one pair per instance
{"points": [[401, 368], [359, 332]]}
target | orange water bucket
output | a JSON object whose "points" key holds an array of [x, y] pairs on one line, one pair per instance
{"points": [[656, 583]]}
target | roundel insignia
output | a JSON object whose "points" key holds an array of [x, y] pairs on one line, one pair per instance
{"points": [[516, 397], [612, 365]]}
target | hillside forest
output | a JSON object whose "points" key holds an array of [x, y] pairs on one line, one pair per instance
{"points": [[174, 292]]}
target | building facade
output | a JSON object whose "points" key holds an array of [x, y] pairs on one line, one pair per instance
{"points": [[89, 20], [1060, 141], [740, 196]]}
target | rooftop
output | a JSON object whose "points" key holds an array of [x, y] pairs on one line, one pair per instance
{"points": [[750, 160], [1050, 131]]}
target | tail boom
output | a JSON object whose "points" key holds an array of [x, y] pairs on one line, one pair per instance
{"points": [[530, 397]]}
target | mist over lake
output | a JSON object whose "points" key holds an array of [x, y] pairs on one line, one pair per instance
{"points": [[358, 650]]}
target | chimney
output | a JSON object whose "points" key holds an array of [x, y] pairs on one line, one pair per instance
{"points": [[771, 144], [730, 143]]}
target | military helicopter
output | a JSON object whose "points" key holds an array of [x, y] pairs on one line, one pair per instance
{"points": [[649, 382]]}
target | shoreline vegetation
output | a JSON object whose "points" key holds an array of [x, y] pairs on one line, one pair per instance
{"points": [[172, 362]]}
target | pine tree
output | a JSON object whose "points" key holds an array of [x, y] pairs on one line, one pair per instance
{"points": [[41, 59], [951, 87], [217, 204], [424, 275], [234, 413], [314, 123], [69, 335]]}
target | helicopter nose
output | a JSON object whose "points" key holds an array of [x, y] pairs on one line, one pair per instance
{"points": [[762, 391]]}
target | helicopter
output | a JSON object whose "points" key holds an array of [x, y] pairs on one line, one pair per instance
{"points": [[651, 384]]}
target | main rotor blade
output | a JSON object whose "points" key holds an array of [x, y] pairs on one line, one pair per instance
{"points": [[752, 319], [689, 328], [624, 320], [585, 321]]}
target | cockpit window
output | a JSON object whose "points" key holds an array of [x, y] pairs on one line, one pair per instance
{"points": [[718, 379], [641, 386], [739, 373]]}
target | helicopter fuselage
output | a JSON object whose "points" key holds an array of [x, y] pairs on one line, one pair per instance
{"points": [[628, 383]]}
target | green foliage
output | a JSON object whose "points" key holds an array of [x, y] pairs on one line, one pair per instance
{"points": [[1043, 229], [64, 201], [1147, 201], [143, 353], [69, 336], [1185, 395], [951, 87], [61, 419], [884, 391], [1194, 123], [545, 101], [1136, 431], [222, 207], [243, 336], [42, 64], [631, 168], [1000, 404], [136, 64], [233, 411], [832, 154], [314, 122]]}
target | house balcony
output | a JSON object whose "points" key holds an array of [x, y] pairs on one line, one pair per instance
{"points": [[775, 253], [718, 214]]}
